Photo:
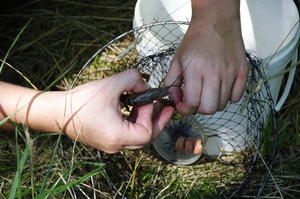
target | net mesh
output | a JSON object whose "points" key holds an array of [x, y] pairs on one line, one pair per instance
{"points": [[241, 137]]}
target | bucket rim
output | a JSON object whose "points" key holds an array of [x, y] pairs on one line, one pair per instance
{"points": [[287, 48]]}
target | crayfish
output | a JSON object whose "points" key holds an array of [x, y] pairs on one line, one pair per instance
{"points": [[168, 96]]}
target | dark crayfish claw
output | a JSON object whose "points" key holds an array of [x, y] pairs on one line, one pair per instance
{"points": [[142, 98], [168, 96]]}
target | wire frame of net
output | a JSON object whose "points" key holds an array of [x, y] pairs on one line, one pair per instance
{"points": [[242, 136]]}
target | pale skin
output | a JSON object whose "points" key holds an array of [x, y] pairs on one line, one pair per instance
{"points": [[210, 61], [89, 113]]}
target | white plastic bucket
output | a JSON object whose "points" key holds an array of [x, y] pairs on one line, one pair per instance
{"points": [[267, 28], [265, 25]]}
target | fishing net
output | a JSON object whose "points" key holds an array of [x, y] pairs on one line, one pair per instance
{"points": [[240, 139]]}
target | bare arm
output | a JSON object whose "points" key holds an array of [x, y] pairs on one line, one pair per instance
{"points": [[89, 113], [211, 58], [212, 61], [23, 105]]}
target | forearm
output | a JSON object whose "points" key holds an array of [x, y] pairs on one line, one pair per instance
{"points": [[35, 109], [215, 10]]}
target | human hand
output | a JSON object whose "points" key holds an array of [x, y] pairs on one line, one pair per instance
{"points": [[96, 120], [211, 65]]}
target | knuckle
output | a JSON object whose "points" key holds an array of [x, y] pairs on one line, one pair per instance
{"points": [[182, 59], [215, 72], [134, 73], [243, 72], [231, 70], [176, 61], [114, 141]]}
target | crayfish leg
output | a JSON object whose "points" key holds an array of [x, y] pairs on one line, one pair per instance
{"points": [[166, 102], [133, 115], [146, 77]]}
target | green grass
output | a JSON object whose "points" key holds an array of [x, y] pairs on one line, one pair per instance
{"points": [[59, 38], [51, 182]]}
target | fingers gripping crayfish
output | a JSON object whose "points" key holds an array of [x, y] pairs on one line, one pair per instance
{"points": [[168, 96]]}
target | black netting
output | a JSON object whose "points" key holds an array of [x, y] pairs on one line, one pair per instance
{"points": [[234, 138]]}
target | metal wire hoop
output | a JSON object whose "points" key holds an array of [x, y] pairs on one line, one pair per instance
{"points": [[259, 100]]}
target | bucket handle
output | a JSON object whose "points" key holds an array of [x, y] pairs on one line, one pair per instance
{"points": [[288, 84]]}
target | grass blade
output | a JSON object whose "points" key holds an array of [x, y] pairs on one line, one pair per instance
{"points": [[62, 188], [13, 44], [51, 163], [16, 182]]}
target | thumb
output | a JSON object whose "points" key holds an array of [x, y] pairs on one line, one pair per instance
{"points": [[174, 75], [129, 80]]}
